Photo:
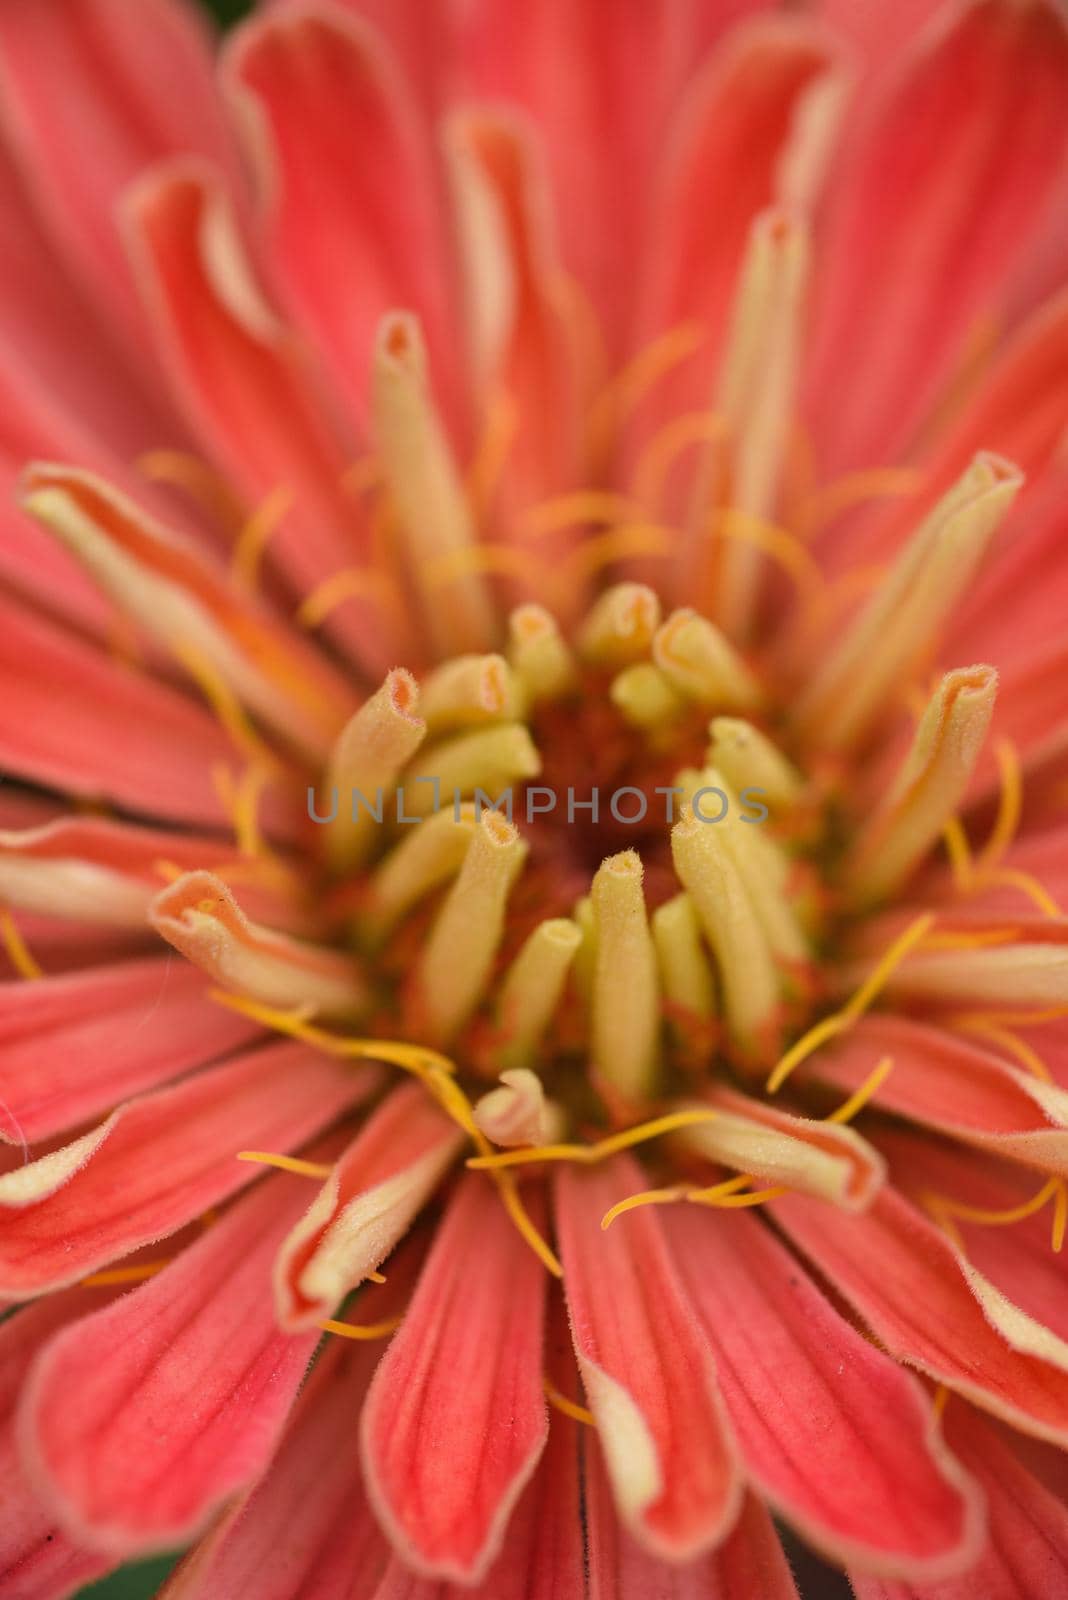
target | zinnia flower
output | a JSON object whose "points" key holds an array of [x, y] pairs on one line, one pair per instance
{"points": [[532, 622]]}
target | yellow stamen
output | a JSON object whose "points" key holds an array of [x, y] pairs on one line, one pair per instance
{"points": [[17, 948], [560, 1402], [271, 1158], [1005, 1037], [625, 392], [700, 662], [540, 659], [497, 437], [573, 510], [853, 489], [664, 449], [1055, 1189], [1010, 878], [841, 1021], [432, 1068], [625, 1009], [200, 482], [362, 1331], [1010, 805], [619, 627], [590, 1154], [256, 534], [532, 989], [427, 857], [365, 765], [647, 1197], [960, 853], [245, 811], [781, 546], [735, 1202], [748, 758], [941, 1399], [352, 583], [626, 543], [226, 706], [861, 1095], [645, 697], [114, 1275]]}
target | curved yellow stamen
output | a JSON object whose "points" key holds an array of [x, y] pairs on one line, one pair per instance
{"points": [[784, 548], [115, 1275], [647, 1197], [645, 539], [561, 1403], [1023, 1052], [206, 487], [623, 393], [255, 535], [226, 706], [1012, 878], [573, 510], [433, 1069], [590, 1154], [362, 1331], [1010, 805], [491, 452], [499, 559], [960, 854], [1055, 1189], [17, 948], [983, 939], [352, 583], [271, 1158], [666, 446], [736, 1202], [841, 1021], [861, 1095], [853, 489]]}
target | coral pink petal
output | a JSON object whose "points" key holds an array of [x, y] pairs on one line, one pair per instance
{"points": [[354, 213], [455, 1421], [58, 356], [77, 1044], [375, 1190], [313, 1489], [161, 765], [646, 1367], [1016, 1259], [543, 1557], [1027, 1550], [989, 88], [109, 872], [183, 1386], [901, 1274], [948, 1081], [248, 388], [724, 164], [95, 92], [161, 1160], [37, 1559], [522, 344], [748, 1565], [800, 1384]]}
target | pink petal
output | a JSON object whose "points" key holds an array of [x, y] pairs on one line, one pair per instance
{"points": [[988, 87], [37, 1560], [313, 1489], [249, 390], [903, 1277], [161, 765], [183, 1387], [800, 1385], [75, 1045], [543, 1555], [108, 873], [1027, 1550], [374, 1191], [646, 1367], [455, 1420], [946, 1081], [354, 216], [724, 164], [748, 1565], [161, 1160], [521, 342], [96, 91]]}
